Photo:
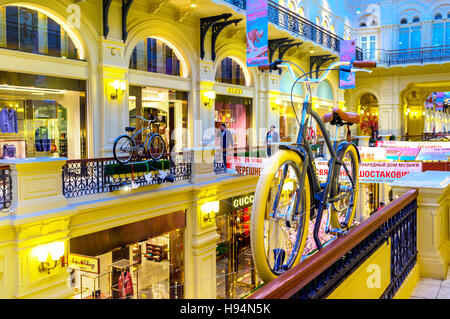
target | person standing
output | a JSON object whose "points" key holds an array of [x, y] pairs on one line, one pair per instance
{"points": [[272, 137], [226, 140]]}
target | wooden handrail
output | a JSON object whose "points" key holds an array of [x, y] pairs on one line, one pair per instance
{"points": [[290, 282]]}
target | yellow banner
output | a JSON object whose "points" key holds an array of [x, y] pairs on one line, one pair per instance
{"points": [[84, 263]]}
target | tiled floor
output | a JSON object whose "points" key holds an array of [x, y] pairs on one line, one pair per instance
{"points": [[428, 288]]}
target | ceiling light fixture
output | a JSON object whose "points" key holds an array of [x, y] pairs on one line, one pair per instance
{"points": [[30, 89]]}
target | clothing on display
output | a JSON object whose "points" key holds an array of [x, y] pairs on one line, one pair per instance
{"points": [[8, 120], [9, 151], [41, 141], [125, 285]]}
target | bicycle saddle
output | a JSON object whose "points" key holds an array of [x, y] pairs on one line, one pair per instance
{"points": [[339, 117], [129, 129]]}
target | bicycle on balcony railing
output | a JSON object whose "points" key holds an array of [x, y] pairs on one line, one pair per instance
{"points": [[125, 146], [288, 194]]}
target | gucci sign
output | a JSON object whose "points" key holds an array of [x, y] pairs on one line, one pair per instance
{"points": [[243, 201], [235, 91]]}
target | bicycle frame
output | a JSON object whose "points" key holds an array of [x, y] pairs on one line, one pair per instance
{"points": [[147, 137], [321, 192]]}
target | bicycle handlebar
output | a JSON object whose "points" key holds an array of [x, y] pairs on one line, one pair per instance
{"points": [[140, 117], [365, 64]]}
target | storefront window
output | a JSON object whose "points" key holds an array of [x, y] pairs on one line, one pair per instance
{"points": [[28, 30], [151, 269], [229, 71], [236, 274], [154, 55], [368, 125], [42, 116], [236, 114], [141, 260], [170, 107]]}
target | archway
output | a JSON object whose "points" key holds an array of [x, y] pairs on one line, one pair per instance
{"points": [[369, 111]]}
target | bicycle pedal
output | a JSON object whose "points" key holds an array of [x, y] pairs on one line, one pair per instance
{"points": [[336, 231]]}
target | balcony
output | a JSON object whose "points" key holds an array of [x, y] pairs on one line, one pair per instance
{"points": [[296, 24], [423, 55]]}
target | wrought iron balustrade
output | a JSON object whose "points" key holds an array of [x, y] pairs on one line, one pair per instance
{"points": [[409, 56], [5, 188], [318, 275], [295, 23], [87, 176]]}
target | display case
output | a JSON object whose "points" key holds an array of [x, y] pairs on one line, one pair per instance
{"points": [[90, 286], [156, 250]]}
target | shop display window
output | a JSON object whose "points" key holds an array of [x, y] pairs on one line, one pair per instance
{"points": [[28, 30], [42, 116], [236, 274], [169, 107], [236, 113], [150, 269]]}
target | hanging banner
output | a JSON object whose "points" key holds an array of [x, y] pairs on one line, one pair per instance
{"points": [[257, 32], [382, 172], [406, 144], [374, 172], [401, 153], [430, 154], [369, 154], [347, 53]]}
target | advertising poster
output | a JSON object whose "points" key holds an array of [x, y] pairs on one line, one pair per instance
{"points": [[257, 29], [347, 53], [374, 172], [401, 153]]}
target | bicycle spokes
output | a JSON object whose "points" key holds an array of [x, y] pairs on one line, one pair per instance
{"points": [[284, 220]]}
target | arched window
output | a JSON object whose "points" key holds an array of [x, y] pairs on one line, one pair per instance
{"points": [[362, 24], [441, 32], [324, 91], [448, 15], [25, 29], [301, 12], [158, 56], [317, 20], [332, 29], [231, 72], [286, 82], [416, 19], [325, 24], [291, 6], [403, 21]]}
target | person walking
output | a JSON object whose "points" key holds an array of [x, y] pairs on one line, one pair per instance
{"points": [[272, 137]]}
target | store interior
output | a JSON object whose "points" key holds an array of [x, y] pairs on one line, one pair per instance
{"points": [[38, 121], [236, 113], [150, 269], [169, 107]]}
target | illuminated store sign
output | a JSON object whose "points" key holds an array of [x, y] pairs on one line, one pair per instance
{"points": [[243, 201], [235, 203], [84, 263], [235, 91]]}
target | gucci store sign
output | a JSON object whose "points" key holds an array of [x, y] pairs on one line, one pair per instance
{"points": [[235, 203]]}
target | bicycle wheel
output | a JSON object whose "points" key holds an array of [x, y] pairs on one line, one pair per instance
{"points": [[123, 149], [279, 221], [156, 146], [344, 193]]}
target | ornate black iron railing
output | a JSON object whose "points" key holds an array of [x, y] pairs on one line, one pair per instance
{"points": [[5, 188], [320, 274], [295, 23], [88, 176], [409, 56]]}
